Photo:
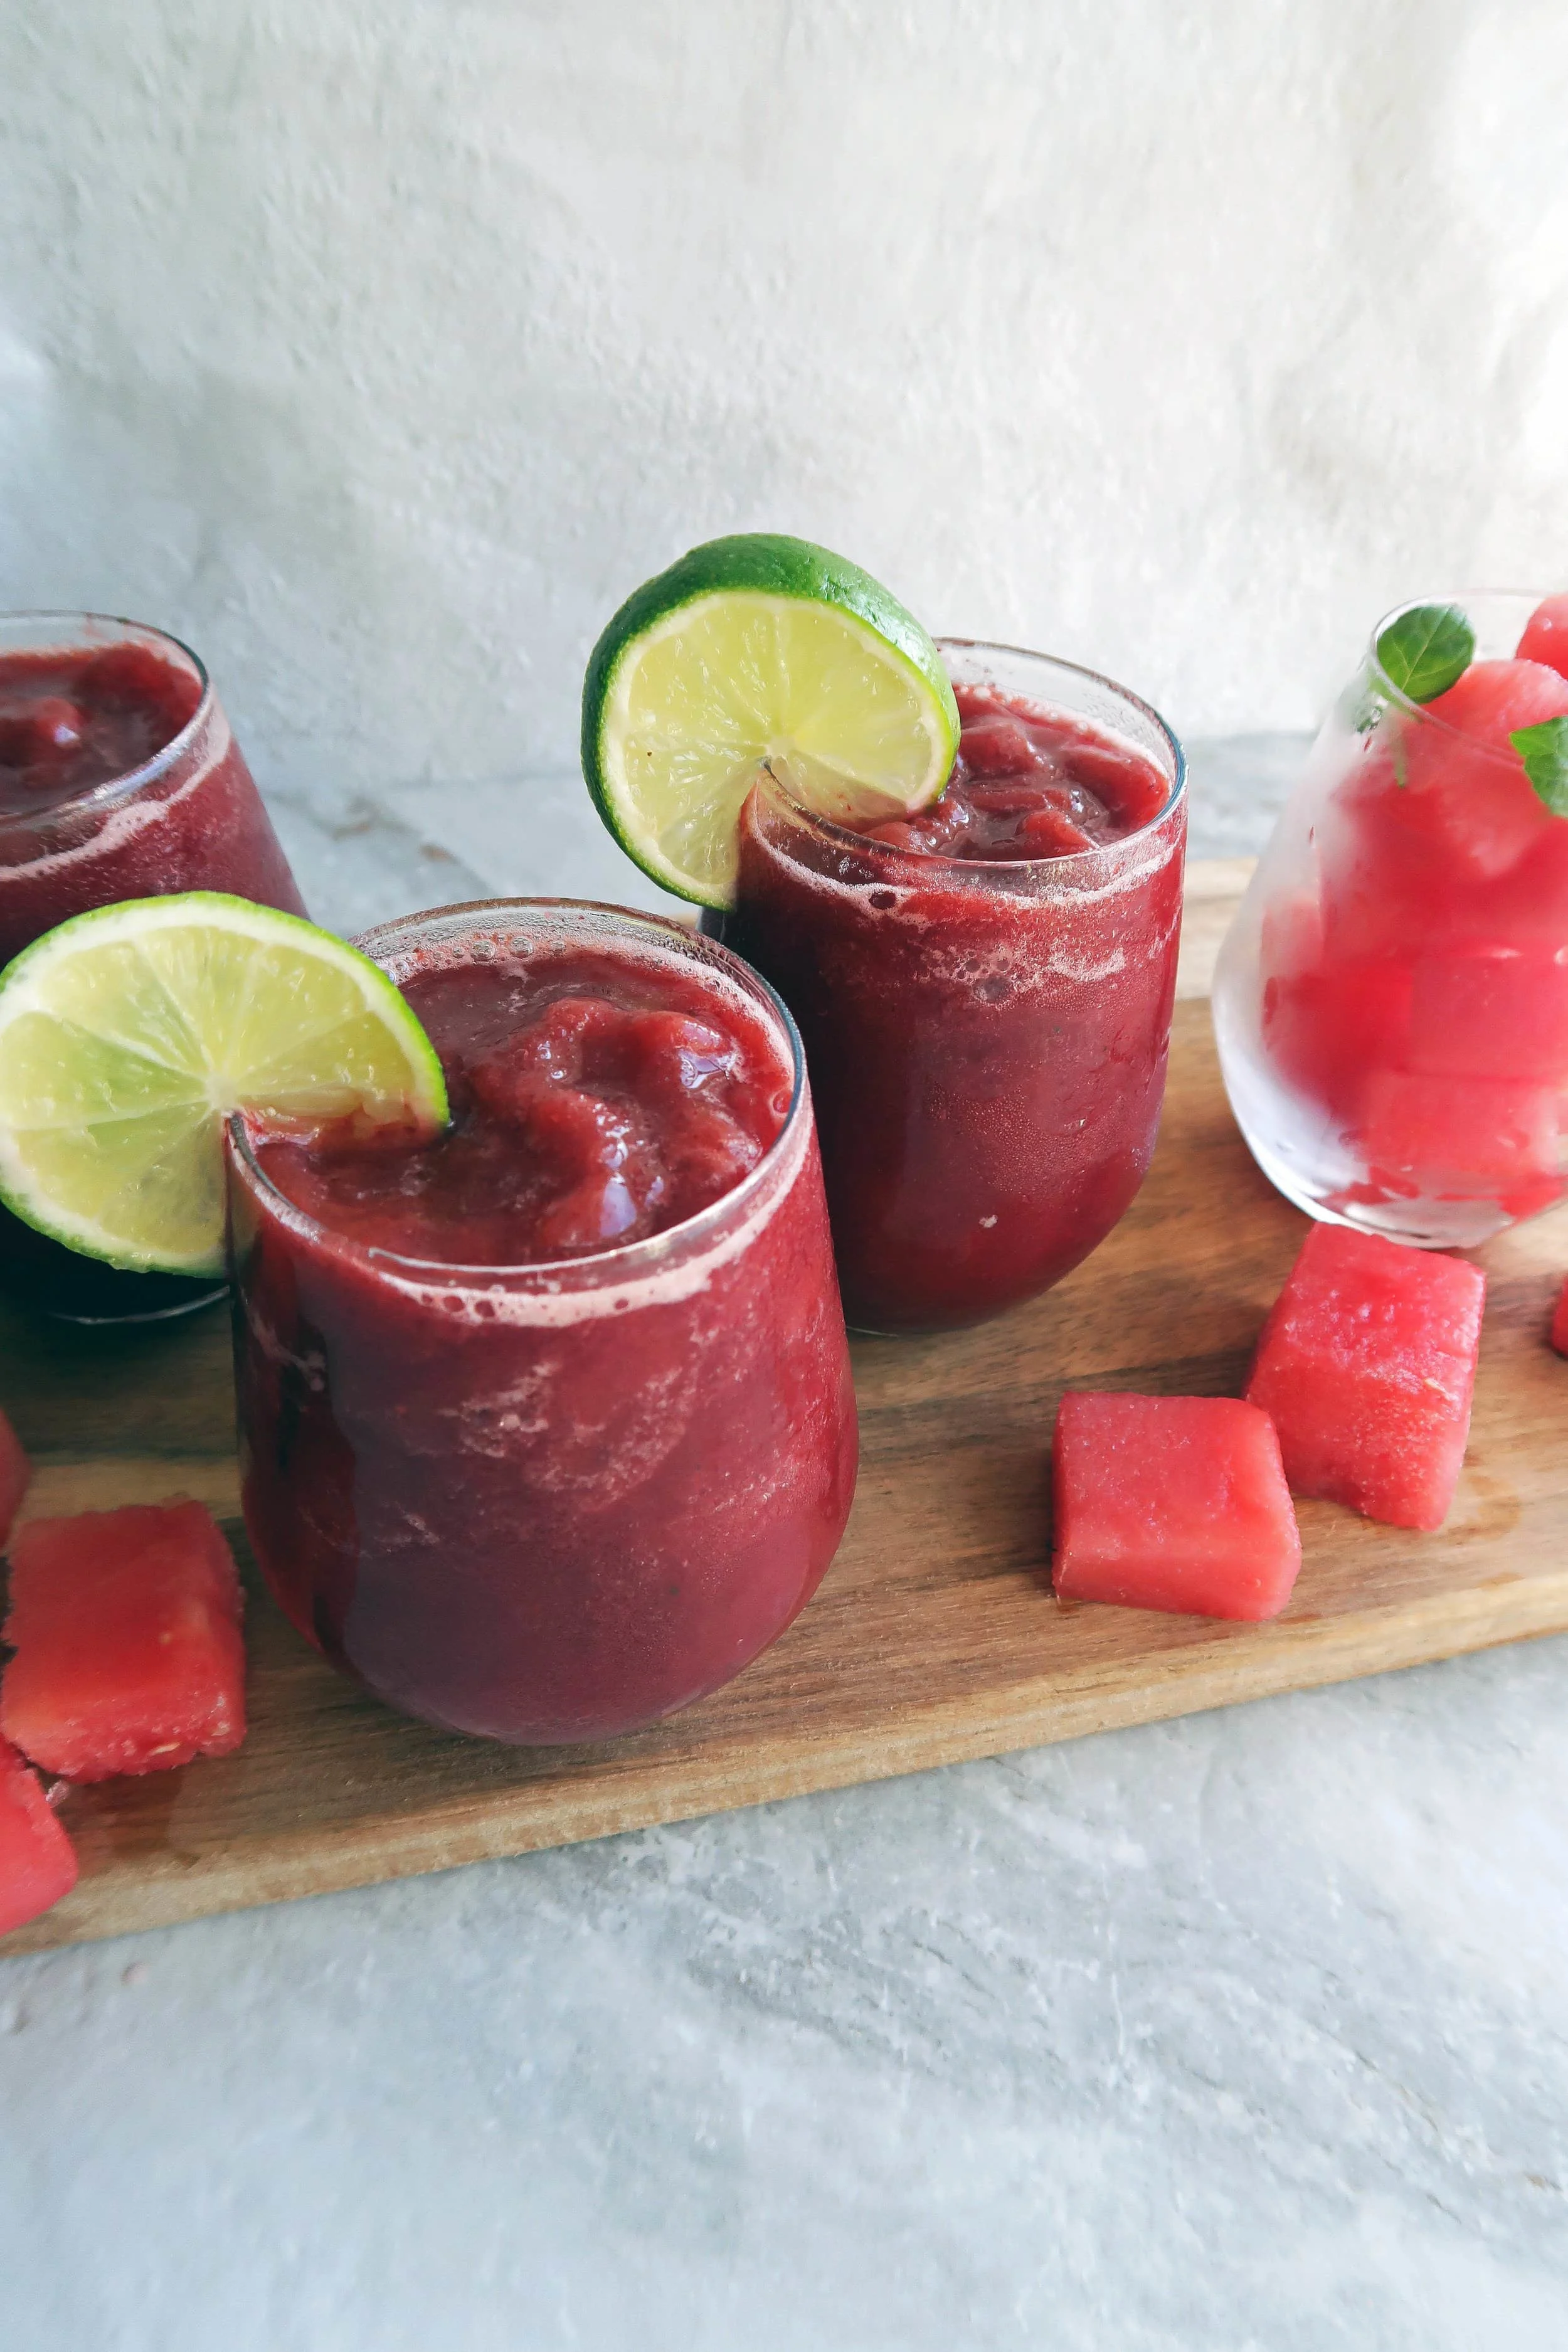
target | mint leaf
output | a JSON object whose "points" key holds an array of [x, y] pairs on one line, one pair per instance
{"points": [[1544, 750], [1427, 650]]}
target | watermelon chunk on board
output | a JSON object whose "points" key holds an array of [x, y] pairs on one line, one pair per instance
{"points": [[1172, 1503], [37, 1860], [126, 1629], [14, 1472], [1367, 1364]]}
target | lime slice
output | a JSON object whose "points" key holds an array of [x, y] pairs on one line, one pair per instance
{"points": [[752, 649], [129, 1035]]}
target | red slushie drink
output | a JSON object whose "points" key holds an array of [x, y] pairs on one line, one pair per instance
{"points": [[546, 1424], [984, 990], [118, 779]]}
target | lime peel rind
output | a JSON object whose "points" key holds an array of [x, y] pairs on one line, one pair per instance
{"points": [[770, 649]]}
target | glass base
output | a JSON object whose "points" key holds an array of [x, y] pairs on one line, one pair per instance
{"points": [[120, 1319], [49, 1280], [1423, 1224], [1300, 1150]]}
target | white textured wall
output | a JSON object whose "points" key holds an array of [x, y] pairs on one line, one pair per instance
{"points": [[381, 345]]}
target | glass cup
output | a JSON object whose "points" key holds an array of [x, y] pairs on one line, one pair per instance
{"points": [[188, 817], [554, 1502], [987, 1040], [1390, 1001]]}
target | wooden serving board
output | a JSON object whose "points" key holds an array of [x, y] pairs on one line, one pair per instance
{"points": [[935, 1635]]}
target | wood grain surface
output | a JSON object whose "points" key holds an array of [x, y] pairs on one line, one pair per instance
{"points": [[935, 1635]]}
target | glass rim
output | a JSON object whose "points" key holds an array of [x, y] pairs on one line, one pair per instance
{"points": [[1463, 600], [625, 1261], [123, 786], [1071, 860]]}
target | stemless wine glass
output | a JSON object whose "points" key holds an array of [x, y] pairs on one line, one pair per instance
{"points": [[549, 1502], [987, 1040], [1390, 1003], [122, 821]]}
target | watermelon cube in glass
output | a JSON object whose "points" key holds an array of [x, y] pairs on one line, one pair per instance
{"points": [[1174, 1503], [37, 1860], [126, 1629], [1545, 638], [14, 1472], [1465, 782], [1436, 1136], [1327, 1028], [1367, 1364], [1490, 1009]]}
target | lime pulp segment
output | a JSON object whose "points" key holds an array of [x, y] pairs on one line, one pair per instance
{"points": [[129, 1036]]}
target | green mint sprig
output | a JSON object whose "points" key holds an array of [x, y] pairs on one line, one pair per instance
{"points": [[1544, 750], [1427, 650]]}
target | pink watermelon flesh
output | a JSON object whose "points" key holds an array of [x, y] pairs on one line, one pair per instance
{"points": [[14, 1472], [37, 1860], [1545, 638], [1560, 1324], [1468, 791], [1459, 1139], [1437, 837], [1491, 1011], [1325, 1028], [1174, 1503], [126, 1629], [1367, 1363], [1495, 698]]}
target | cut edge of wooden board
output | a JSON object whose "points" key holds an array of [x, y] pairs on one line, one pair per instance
{"points": [[1233, 1670], [65, 1483]]}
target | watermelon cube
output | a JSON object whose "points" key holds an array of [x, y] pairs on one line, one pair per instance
{"points": [[126, 1629], [1290, 935], [1473, 790], [1462, 1139], [1560, 1324], [1491, 1011], [1367, 1363], [1390, 881], [1327, 1028], [1177, 1503], [37, 1860], [14, 1472]]}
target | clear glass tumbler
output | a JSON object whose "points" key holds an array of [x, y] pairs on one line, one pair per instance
{"points": [[1390, 1003], [118, 779], [549, 1502], [987, 1039]]}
